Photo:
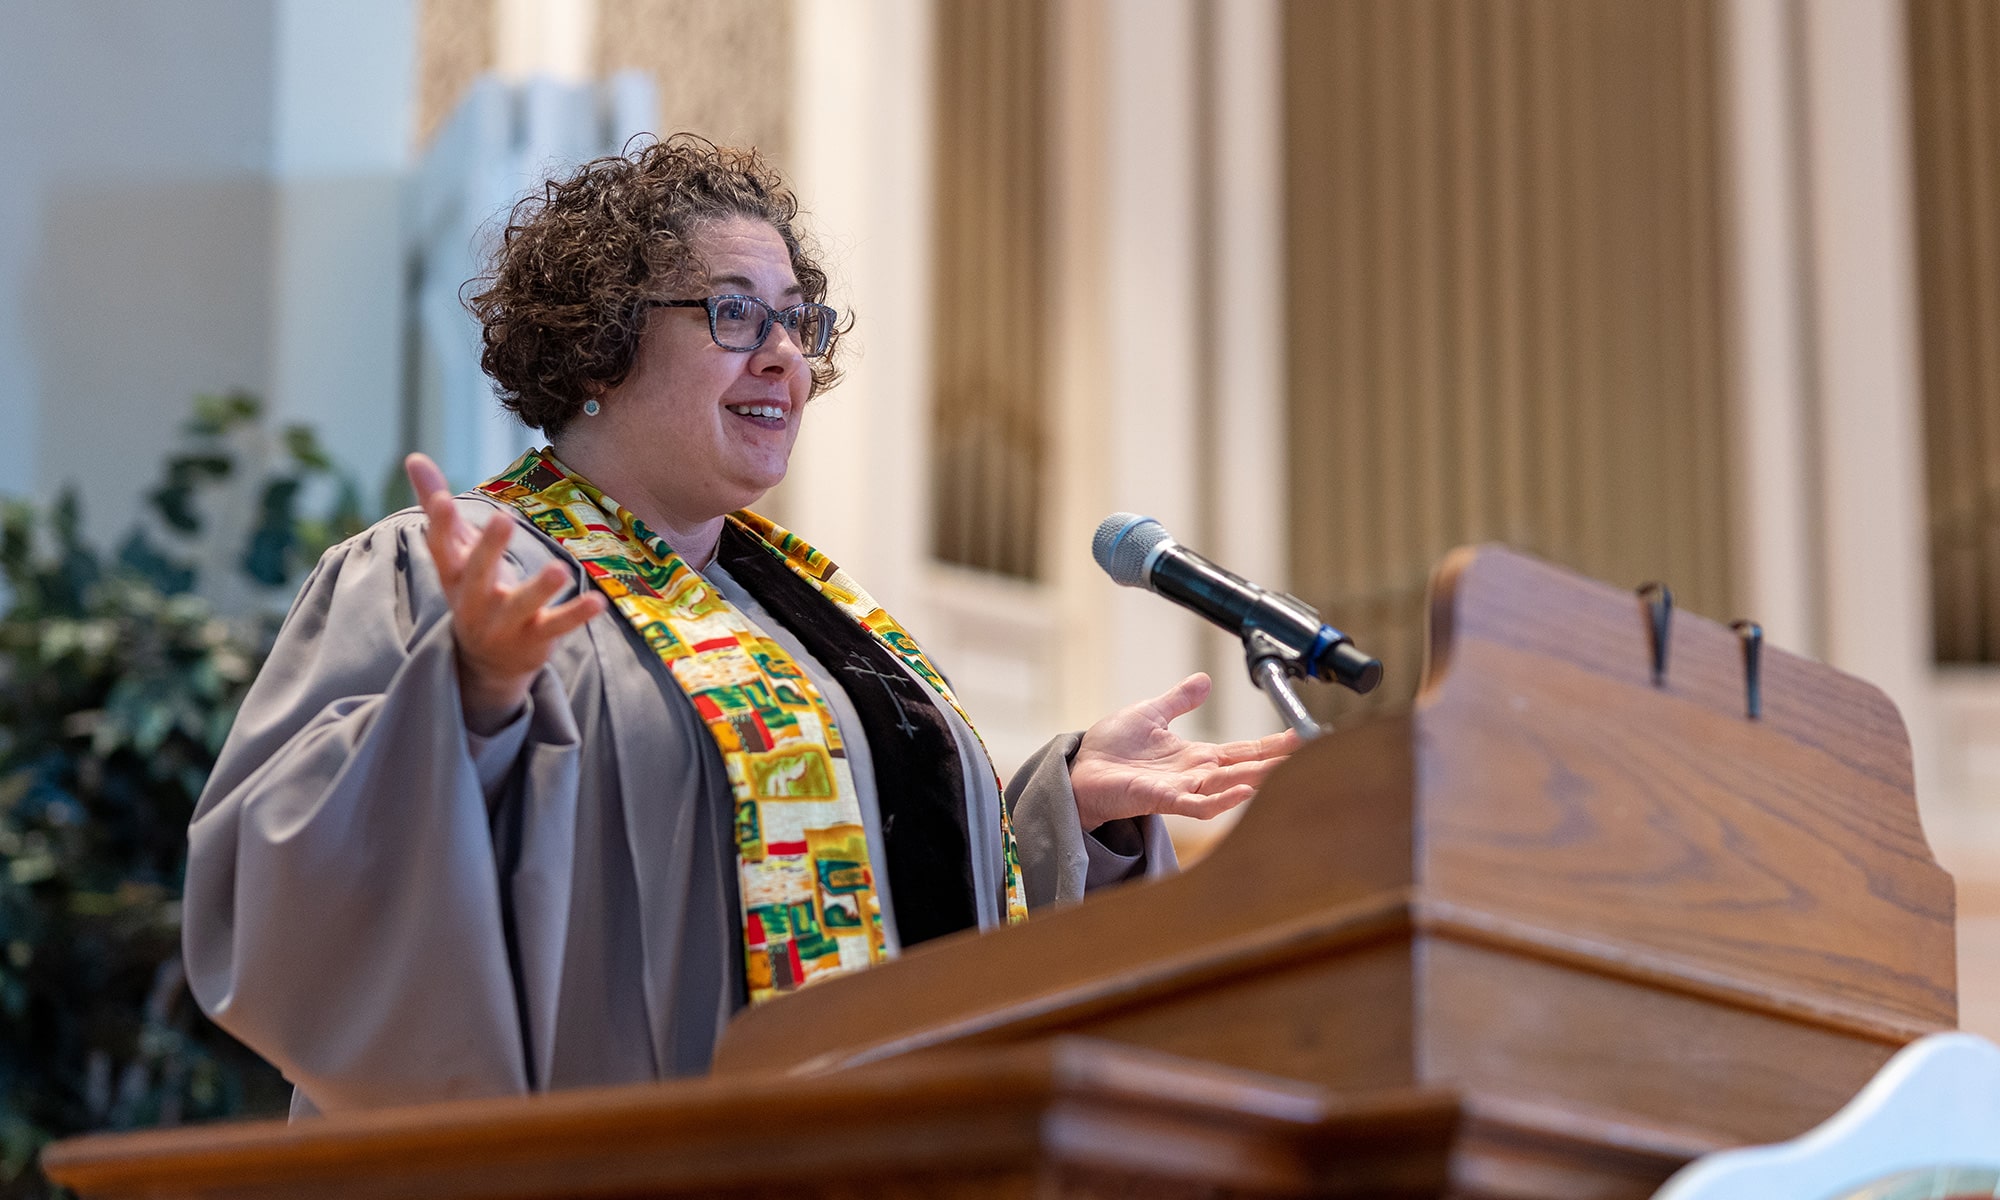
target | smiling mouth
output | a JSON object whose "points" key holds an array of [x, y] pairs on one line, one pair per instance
{"points": [[763, 414]]}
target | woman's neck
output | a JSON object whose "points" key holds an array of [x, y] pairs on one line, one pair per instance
{"points": [[695, 540]]}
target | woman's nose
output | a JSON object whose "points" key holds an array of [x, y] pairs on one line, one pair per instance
{"points": [[779, 353]]}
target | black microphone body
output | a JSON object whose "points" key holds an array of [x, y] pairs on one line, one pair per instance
{"points": [[1229, 600]]}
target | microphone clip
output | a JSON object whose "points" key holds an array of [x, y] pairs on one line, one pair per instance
{"points": [[1273, 666]]}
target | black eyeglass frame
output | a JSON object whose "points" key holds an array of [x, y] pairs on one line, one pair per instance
{"points": [[790, 318]]}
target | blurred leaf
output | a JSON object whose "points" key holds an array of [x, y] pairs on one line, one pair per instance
{"points": [[67, 520], [180, 486], [201, 466], [17, 540], [267, 559], [215, 415], [141, 556], [304, 447], [174, 501]]}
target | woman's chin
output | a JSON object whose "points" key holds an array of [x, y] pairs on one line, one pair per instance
{"points": [[752, 492]]}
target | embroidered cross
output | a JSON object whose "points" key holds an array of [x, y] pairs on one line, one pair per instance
{"points": [[861, 666]]}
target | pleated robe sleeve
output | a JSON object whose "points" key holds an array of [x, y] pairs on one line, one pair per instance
{"points": [[1060, 862], [344, 913]]}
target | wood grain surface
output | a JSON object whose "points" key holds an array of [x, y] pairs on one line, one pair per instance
{"points": [[1562, 788]]}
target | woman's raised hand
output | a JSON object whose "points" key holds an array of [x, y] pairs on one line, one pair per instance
{"points": [[503, 630], [1131, 763]]}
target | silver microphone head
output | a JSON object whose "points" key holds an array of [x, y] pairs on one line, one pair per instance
{"points": [[1123, 545]]}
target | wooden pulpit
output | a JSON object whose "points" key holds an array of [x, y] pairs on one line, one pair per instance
{"points": [[1576, 918]]}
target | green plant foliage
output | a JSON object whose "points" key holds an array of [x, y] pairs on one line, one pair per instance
{"points": [[286, 538], [118, 684]]}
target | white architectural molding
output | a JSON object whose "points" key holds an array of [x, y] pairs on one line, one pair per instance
{"points": [[1247, 523], [861, 163], [1866, 374], [1078, 373], [1126, 336], [1830, 470], [1774, 475], [1148, 463]]}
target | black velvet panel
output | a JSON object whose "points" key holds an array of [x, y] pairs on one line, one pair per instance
{"points": [[919, 785]]}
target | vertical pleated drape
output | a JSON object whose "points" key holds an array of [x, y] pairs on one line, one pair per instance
{"points": [[1955, 115], [990, 396], [1505, 302]]}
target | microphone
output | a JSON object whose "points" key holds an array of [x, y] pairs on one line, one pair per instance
{"points": [[1137, 551]]}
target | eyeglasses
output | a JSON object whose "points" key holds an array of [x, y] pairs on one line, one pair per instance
{"points": [[741, 323]]}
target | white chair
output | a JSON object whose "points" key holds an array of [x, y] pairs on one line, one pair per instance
{"points": [[1927, 1127]]}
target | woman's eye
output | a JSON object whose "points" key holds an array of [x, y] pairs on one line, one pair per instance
{"points": [[732, 309]]}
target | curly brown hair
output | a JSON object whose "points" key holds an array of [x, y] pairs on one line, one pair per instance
{"points": [[563, 303]]}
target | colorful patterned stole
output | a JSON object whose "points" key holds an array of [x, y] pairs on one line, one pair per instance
{"points": [[807, 887]]}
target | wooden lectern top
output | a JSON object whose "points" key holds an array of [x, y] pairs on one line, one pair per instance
{"points": [[1562, 788], [1554, 880]]}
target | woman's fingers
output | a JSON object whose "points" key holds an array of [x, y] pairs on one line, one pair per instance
{"points": [[1221, 778], [1204, 805], [522, 619], [476, 578], [520, 604], [526, 609], [444, 532], [425, 477], [1178, 700], [553, 623], [441, 534], [1272, 746]]}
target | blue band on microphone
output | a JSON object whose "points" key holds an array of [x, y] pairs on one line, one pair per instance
{"points": [[1328, 638]]}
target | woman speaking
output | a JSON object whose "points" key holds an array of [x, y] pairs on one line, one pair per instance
{"points": [[542, 782]]}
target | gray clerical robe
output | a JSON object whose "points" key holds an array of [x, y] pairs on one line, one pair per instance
{"points": [[394, 911]]}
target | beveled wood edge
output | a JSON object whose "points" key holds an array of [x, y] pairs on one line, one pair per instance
{"points": [[1349, 926], [1376, 917], [1079, 1073], [1441, 612], [1503, 1116], [1509, 1147], [1472, 926]]}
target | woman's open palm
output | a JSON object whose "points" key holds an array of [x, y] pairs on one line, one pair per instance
{"points": [[503, 630], [1131, 764]]}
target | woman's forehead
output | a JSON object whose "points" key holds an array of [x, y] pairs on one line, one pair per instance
{"points": [[745, 252]]}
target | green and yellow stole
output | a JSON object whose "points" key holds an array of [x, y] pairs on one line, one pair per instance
{"points": [[809, 905]]}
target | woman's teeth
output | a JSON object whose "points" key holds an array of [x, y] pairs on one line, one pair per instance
{"points": [[756, 410]]}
